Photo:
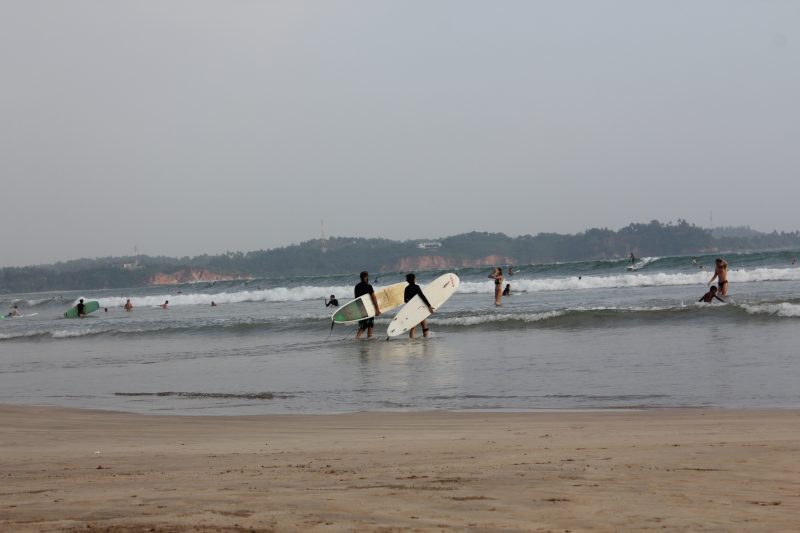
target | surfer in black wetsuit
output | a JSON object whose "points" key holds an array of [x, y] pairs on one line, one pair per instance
{"points": [[361, 289], [332, 301], [414, 290], [81, 308]]}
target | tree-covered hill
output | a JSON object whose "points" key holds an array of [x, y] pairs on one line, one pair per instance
{"points": [[348, 255]]}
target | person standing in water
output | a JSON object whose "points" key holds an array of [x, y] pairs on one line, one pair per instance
{"points": [[497, 276], [411, 290], [165, 305], [721, 275], [361, 289], [333, 301], [128, 305]]}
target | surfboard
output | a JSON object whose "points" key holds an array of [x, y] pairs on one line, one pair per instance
{"points": [[91, 307], [415, 311], [360, 308], [3, 317]]}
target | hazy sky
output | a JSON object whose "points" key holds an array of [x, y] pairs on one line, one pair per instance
{"points": [[188, 127]]}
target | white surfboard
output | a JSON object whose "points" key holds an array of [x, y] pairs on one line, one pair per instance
{"points": [[415, 311]]}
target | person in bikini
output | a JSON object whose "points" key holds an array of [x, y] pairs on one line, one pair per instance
{"points": [[497, 276], [721, 275]]}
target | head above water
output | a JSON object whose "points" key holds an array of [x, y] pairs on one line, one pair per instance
{"points": [[364, 275]]}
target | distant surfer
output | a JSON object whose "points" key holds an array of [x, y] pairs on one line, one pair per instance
{"points": [[510, 270], [213, 303], [363, 287], [128, 305], [696, 263], [721, 275], [81, 308], [165, 305], [632, 259], [14, 312], [507, 290], [411, 290], [333, 301], [710, 295], [497, 276]]}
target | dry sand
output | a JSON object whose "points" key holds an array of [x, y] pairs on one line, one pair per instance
{"points": [[652, 470]]}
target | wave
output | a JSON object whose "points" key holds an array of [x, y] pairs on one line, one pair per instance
{"points": [[659, 279], [308, 323], [783, 309]]}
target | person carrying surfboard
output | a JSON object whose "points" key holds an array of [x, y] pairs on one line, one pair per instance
{"points": [[363, 287], [81, 307], [413, 290]]}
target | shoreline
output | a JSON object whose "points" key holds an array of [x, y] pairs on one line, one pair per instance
{"points": [[664, 469]]}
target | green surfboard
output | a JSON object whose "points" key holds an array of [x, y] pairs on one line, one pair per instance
{"points": [[91, 307]]}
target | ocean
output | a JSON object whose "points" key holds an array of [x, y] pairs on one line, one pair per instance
{"points": [[581, 335]]}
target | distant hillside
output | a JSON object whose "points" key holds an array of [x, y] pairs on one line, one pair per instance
{"points": [[349, 255]]}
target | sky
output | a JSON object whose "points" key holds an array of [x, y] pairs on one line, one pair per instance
{"points": [[188, 127]]}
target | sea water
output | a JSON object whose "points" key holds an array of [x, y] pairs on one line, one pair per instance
{"points": [[578, 335]]}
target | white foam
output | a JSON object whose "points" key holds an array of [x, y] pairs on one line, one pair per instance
{"points": [[497, 318], [783, 309], [278, 294], [631, 280]]}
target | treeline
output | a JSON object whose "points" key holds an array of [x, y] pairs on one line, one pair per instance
{"points": [[347, 255]]}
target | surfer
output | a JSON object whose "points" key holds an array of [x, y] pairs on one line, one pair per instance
{"points": [[497, 276], [411, 290], [332, 301], [710, 295], [14, 312], [363, 287], [721, 275], [81, 307], [632, 259], [128, 305], [165, 305], [213, 303]]}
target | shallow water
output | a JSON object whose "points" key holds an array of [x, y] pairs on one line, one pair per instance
{"points": [[612, 338]]}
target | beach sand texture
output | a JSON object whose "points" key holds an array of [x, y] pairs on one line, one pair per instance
{"points": [[651, 470]]}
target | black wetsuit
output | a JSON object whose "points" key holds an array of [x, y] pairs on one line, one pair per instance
{"points": [[81, 307], [361, 289], [414, 290], [333, 301]]}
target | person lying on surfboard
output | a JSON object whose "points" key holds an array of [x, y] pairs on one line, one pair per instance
{"points": [[413, 290]]}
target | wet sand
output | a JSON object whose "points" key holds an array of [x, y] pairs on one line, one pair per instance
{"points": [[651, 470]]}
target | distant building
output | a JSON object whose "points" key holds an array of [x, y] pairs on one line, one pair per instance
{"points": [[429, 245]]}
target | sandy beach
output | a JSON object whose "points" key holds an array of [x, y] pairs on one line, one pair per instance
{"points": [[650, 470]]}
